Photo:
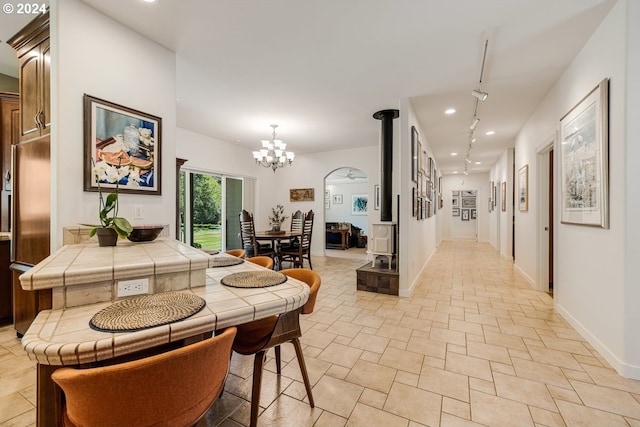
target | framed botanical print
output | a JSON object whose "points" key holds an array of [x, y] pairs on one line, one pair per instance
{"points": [[584, 160]]}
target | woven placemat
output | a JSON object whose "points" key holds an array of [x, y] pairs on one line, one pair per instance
{"points": [[254, 279], [224, 261], [146, 311]]}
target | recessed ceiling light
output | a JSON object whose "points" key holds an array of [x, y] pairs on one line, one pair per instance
{"points": [[478, 163], [450, 111], [454, 154], [490, 132], [455, 171], [149, 1]]}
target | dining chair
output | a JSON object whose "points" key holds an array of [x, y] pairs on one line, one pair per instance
{"points": [[175, 388], [297, 218], [248, 237], [296, 253], [263, 261], [240, 253], [259, 336]]}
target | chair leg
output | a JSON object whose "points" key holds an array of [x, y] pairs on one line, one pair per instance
{"points": [[309, 258], [258, 364], [303, 369], [278, 360]]}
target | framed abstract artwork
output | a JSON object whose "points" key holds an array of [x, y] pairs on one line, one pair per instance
{"points": [[359, 204]]}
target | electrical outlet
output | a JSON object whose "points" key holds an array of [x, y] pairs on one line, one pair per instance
{"points": [[137, 212], [133, 287]]}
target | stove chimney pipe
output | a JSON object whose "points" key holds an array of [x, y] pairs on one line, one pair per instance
{"points": [[386, 154]]}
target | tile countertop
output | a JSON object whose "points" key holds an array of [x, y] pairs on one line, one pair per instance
{"points": [[63, 336], [89, 263]]}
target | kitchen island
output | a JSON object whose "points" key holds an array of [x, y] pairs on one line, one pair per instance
{"points": [[62, 336]]}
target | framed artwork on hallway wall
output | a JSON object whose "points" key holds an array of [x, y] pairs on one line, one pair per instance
{"points": [[523, 188], [584, 160], [504, 197], [414, 154], [122, 147]]}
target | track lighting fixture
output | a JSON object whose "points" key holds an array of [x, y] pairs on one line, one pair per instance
{"points": [[474, 124], [479, 94]]}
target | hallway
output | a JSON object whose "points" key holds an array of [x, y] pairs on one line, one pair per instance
{"points": [[473, 346]]}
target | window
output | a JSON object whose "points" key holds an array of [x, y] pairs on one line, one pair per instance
{"points": [[209, 207]]}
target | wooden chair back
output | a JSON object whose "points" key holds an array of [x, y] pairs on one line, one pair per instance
{"points": [[172, 388], [296, 221], [297, 252]]}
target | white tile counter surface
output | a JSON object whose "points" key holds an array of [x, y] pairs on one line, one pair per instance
{"points": [[86, 273], [63, 336]]}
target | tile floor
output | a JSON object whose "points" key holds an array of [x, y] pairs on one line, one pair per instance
{"points": [[473, 346]]}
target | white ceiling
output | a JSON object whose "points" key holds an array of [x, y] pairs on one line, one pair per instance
{"points": [[320, 68]]}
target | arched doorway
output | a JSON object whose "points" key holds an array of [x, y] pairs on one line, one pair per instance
{"points": [[346, 207]]}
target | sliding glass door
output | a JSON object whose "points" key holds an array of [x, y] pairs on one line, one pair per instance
{"points": [[209, 207]]}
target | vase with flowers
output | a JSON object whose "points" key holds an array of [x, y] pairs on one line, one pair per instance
{"points": [[277, 217], [111, 225]]}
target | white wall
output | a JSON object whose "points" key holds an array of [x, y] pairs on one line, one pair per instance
{"points": [[632, 185], [452, 227], [593, 271], [500, 224], [342, 212], [95, 55], [418, 239]]}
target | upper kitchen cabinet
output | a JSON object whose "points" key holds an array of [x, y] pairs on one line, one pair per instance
{"points": [[34, 55]]}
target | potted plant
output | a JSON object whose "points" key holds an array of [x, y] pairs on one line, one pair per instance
{"points": [[277, 217], [111, 225]]}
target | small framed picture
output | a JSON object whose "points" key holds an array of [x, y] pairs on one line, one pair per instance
{"points": [[337, 199], [455, 211], [376, 197], [359, 204], [465, 214]]}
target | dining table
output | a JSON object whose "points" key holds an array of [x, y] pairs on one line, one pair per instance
{"points": [[276, 238], [69, 337]]}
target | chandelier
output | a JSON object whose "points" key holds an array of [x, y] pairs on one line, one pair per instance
{"points": [[273, 154]]}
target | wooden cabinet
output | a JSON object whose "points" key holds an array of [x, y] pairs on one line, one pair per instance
{"points": [[6, 311], [31, 199], [9, 135], [34, 55]]}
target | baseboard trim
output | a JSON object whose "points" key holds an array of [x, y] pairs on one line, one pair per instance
{"points": [[624, 369]]}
